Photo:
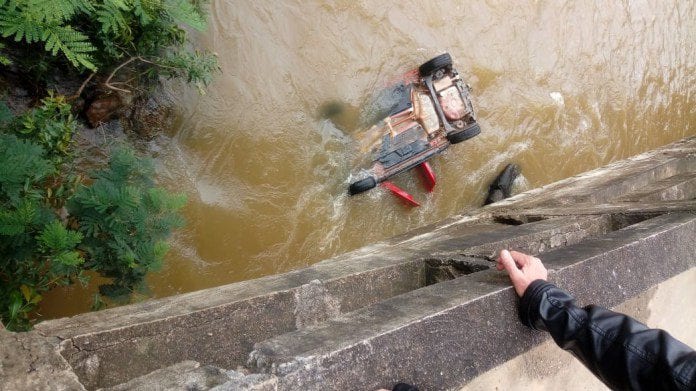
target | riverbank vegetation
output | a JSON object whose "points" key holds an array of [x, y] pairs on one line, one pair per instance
{"points": [[59, 221], [106, 39]]}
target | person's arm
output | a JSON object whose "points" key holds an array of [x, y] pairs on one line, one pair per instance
{"points": [[620, 351]]}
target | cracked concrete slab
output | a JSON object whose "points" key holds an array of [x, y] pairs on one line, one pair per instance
{"points": [[314, 305], [30, 361]]}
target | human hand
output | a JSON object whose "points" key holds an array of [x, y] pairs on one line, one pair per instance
{"points": [[522, 269]]}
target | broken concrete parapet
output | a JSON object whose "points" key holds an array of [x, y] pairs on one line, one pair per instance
{"points": [[443, 334], [221, 336]]}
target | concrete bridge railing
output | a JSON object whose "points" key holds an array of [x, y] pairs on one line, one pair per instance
{"points": [[424, 307]]}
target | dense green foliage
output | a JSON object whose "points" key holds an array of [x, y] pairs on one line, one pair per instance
{"points": [[57, 222], [125, 221], [37, 252], [101, 35], [53, 226], [51, 125]]}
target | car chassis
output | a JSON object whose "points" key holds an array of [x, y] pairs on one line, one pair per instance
{"points": [[433, 110]]}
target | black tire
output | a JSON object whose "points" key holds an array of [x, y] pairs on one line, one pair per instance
{"points": [[362, 185], [457, 137], [439, 62]]}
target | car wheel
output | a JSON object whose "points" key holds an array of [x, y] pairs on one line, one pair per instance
{"points": [[362, 185], [457, 137], [439, 62]]}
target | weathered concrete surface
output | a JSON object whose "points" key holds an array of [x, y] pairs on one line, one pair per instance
{"points": [[188, 375], [192, 376], [677, 187], [444, 333], [250, 382], [314, 305], [421, 307], [669, 306], [28, 361]]}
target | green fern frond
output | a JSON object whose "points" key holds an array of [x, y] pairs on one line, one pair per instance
{"points": [[55, 10], [111, 16], [147, 10], [74, 45], [129, 197], [195, 67], [50, 125], [161, 200], [55, 238], [65, 264], [183, 11], [69, 258], [22, 163], [127, 168], [160, 249], [17, 221], [44, 21], [19, 25], [123, 5]]}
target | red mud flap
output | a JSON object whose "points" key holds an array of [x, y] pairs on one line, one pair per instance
{"points": [[429, 178], [401, 193], [428, 175]]}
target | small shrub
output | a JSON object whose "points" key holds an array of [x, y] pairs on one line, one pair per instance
{"points": [[51, 125], [37, 252], [125, 221], [53, 226]]}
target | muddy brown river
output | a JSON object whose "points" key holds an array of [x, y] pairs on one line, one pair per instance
{"points": [[559, 87]]}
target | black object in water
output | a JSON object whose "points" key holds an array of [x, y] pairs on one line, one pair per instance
{"points": [[501, 187]]}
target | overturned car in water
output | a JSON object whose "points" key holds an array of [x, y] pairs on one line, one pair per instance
{"points": [[430, 109]]}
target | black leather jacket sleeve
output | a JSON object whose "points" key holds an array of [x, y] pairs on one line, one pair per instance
{"points": [[622, 352]]}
